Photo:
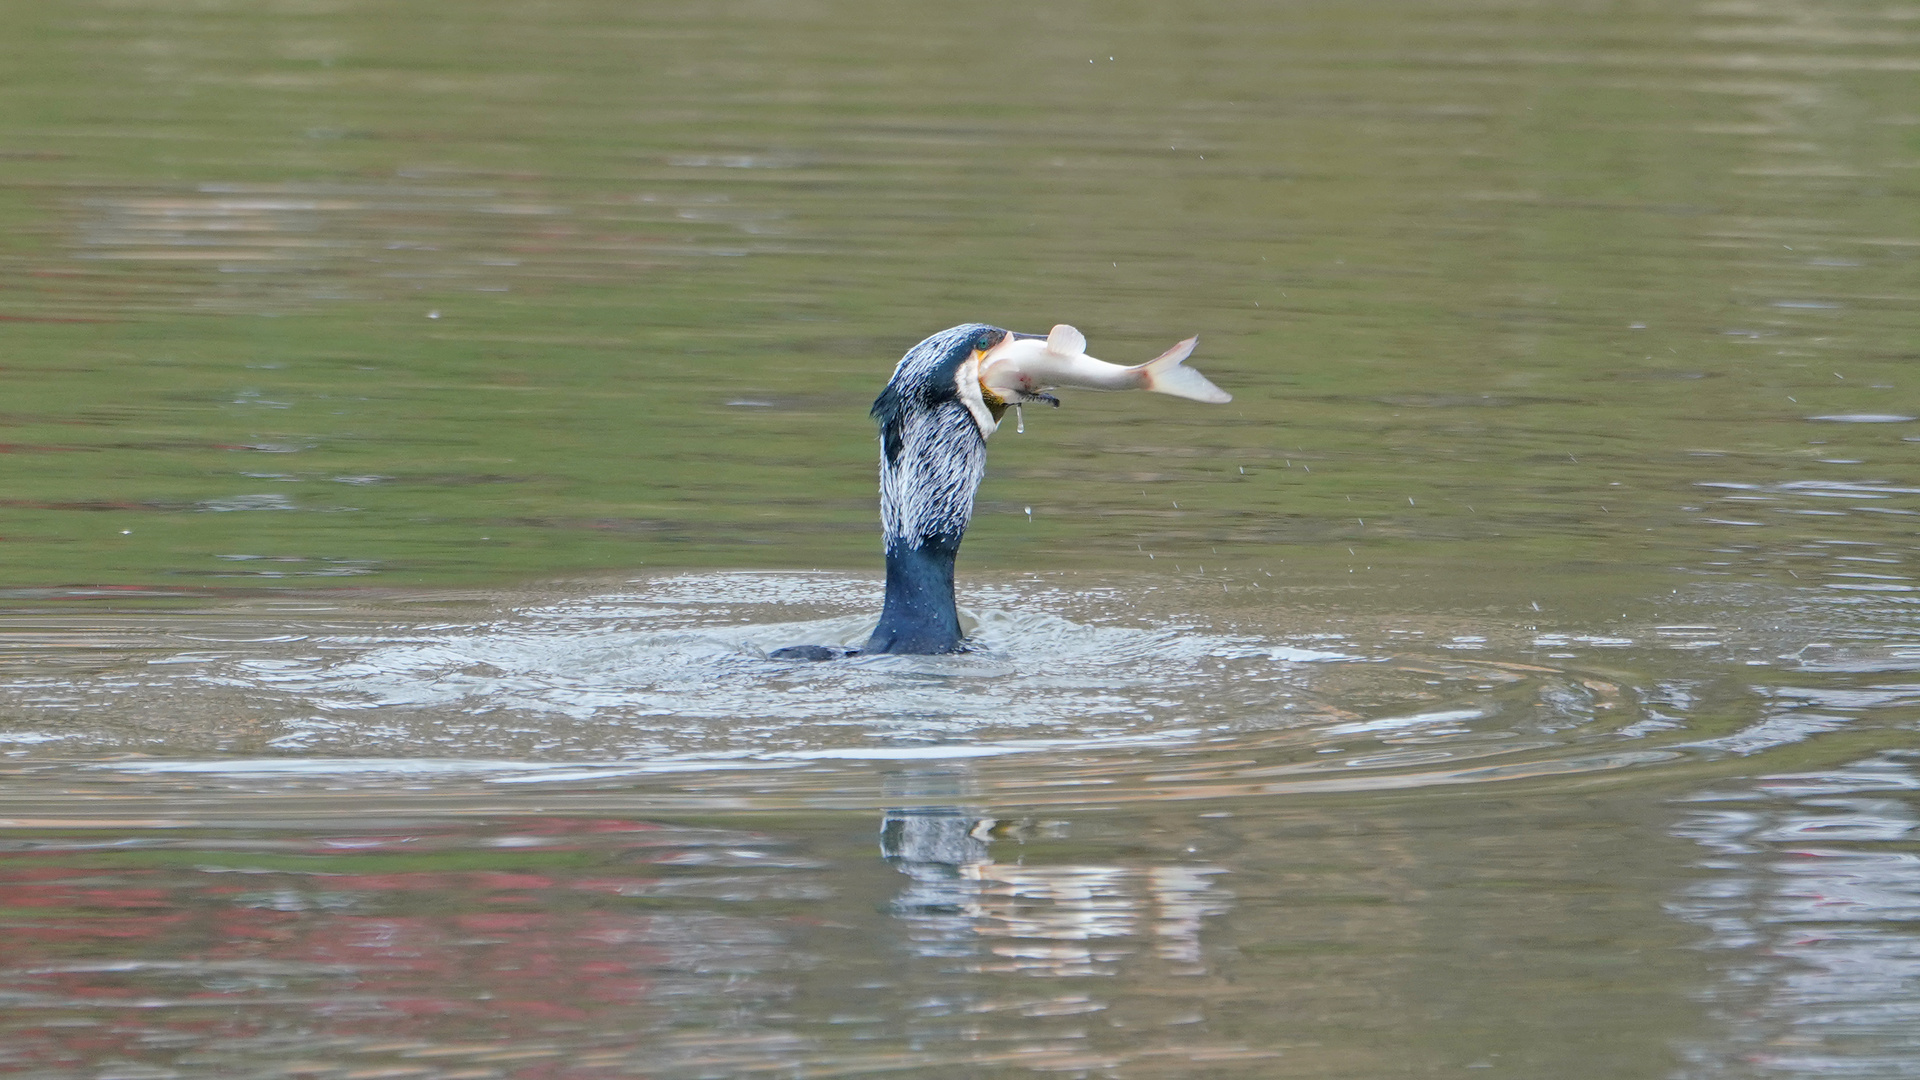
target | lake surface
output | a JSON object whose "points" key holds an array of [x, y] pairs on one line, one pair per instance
{"points": [[421, 421]]}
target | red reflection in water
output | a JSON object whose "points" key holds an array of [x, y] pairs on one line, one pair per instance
{"points": [[434, 938]]}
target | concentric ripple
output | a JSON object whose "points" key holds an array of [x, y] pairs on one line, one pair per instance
{"points": [[1110, 688]]}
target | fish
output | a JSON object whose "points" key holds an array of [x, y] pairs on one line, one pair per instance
{"points": [[1022, 368]]}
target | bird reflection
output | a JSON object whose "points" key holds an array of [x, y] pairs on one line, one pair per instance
{"points": [[936, 847], [1030, 917]]}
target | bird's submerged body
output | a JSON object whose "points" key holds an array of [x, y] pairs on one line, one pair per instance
{"points": [[945, 398]]}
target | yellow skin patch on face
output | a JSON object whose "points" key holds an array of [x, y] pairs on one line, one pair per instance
{"points": [[995, 403]]}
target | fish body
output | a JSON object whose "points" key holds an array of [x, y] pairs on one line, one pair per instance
{"points": [[1023, 367]]}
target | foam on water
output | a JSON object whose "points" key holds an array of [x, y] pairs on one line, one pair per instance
{"points": [[681, 667]]}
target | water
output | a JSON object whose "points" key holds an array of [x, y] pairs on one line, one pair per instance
{"points": [[424, 420]]}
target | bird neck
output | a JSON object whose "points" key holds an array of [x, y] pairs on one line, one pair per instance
{"points": [[919, 615], [931, 461]]}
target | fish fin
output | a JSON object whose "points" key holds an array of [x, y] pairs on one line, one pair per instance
{"points": [[1066, 341], [1164, 374]]}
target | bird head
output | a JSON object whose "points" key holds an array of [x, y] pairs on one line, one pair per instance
{"points": [[949, 368], [941, 375]]}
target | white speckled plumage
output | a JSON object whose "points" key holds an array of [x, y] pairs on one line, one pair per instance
{"points": [[933, 439], [928, 489]]}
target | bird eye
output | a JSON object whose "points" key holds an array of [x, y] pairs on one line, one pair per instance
{"points": [[984, 342]]}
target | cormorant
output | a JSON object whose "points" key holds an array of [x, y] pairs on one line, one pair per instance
{"points": [[935, 416]]}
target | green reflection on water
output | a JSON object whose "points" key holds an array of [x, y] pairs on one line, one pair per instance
{"points": [[315, 294]]}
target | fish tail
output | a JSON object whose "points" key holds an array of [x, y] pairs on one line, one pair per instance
{"points": [[1164, 374]]}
